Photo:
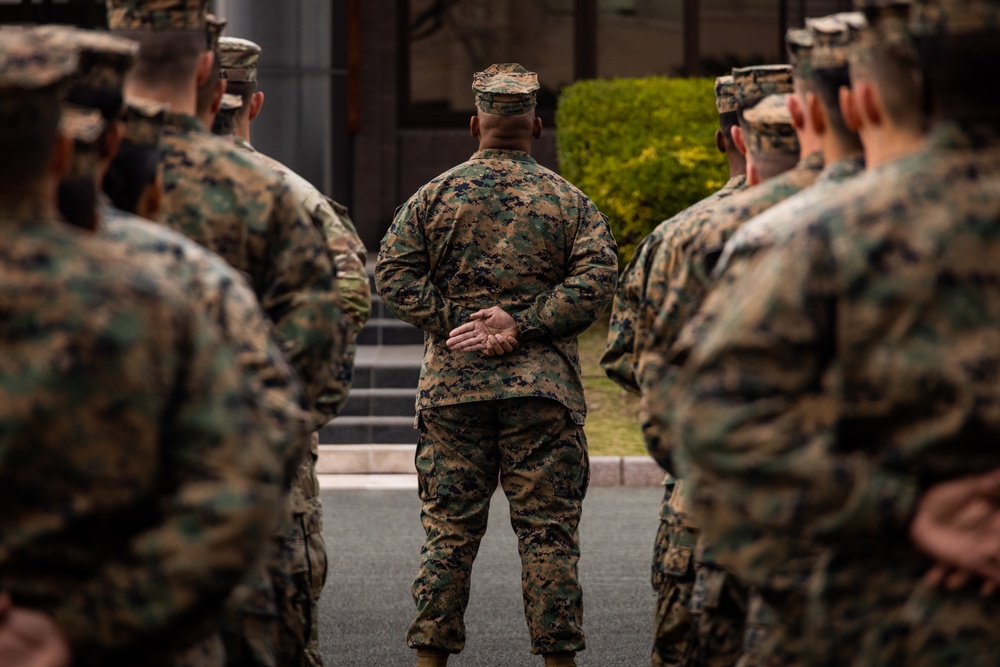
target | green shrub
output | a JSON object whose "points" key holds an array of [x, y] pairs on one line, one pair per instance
{"points": [[642, 149]]}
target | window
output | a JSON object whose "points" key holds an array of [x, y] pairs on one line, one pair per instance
{"points": [[445, 41]]}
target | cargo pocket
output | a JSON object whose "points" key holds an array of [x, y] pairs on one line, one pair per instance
{"points": [[424, 461], [571, 460]]}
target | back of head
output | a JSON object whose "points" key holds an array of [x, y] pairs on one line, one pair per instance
{"points": [[886, 56], [958, 45], [171, 34], [770, 137], [725, 102], [506, 99], [136, 165], [834, 38], [239, 59], [207, 91], [34, 76]]}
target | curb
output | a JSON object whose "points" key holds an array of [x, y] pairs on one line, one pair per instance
{"points": [[633, 471]]}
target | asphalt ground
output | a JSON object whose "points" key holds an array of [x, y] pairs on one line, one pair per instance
{"points": [[373, 539]]}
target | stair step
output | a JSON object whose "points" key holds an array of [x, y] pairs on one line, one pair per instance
{"points": [[384, 331], [364, 430], [387, 367], [380, 402], [366, 459]]}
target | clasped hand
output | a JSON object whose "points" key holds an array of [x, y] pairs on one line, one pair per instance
{"points": [[491, 331]]}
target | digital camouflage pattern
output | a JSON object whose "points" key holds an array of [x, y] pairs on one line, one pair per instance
{"points": [[683, 277], [725, 94], [214, 25], [954, 17], [799, 45], [224, 296], [537, 449], [633, 311], [499, 230], [225, 121], [132, 560], [505, 89], [103, 61], [754, 83], [768, 127], [157, 14], [216, 196], [858, 399], [144, 123], [349, 256], [238, 59]]}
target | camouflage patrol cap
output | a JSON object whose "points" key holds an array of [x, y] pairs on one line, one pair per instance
{"points": [[799, 43], [84, 126], [725, 94], [954, 17], [770, 127], [225, 121], [104, 60], [757, 82], [238, 58], [834, 37], [214, 25], [505, 89], [33, 76], [157, 14], [144, 122]]}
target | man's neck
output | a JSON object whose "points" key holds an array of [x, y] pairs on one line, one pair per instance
{"points": [[241, 130], [887, 144], [495, 145], [835, 150], [38, 201], [737, 164], [180, 101], [809, 143]]}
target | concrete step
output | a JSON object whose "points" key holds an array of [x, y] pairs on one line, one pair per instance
{"points": [[369, 430], [392, 402], [387, 367], [386, 331], [366, 459]]}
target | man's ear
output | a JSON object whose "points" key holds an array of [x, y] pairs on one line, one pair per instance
{"points": [[62, 156], [474, 129], [256, 104], [204, 69], [797, 112], [870, 105], [720, 141], [737, 134], [817, 115], [536, 128], [848, 109]]}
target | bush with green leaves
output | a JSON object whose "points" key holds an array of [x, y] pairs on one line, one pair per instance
{"points": [[642, 149]]}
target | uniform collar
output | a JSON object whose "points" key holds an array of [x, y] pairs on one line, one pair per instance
{"points": [[503, 154]]}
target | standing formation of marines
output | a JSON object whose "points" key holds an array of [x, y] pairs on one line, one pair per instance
{"points": [[816, 346], [817, 355]]}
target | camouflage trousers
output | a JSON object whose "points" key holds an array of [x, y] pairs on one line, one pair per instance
{"points": [[769, 641], [277, 623], [537, 450], [718, 611], [673, 577]]}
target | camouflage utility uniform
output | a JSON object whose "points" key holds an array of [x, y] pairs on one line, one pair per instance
{"points": [[855, 360], [500, 230], [680, 278], [631, 315], [132, 537], [349, 256], [216, 196]]}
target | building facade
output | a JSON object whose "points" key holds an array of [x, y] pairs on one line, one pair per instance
{"points": [[369, 99]]}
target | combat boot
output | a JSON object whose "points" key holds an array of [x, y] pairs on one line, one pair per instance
{"points": [[564, 659], [432, 658]]}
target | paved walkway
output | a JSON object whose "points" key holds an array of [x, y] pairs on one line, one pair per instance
{"points": [[374, 539]]}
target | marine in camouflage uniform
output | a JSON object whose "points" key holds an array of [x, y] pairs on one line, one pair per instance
{"points": [[718, 603], [221, 293], [217, 197], [132, 538], [500, 230], [672, 574], [848, 376], [239, 59]]}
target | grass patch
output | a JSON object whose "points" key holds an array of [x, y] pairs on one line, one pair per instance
{"points": [[612, 426]]}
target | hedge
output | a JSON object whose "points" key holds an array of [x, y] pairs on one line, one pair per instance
{"points": [[642, 149]]}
